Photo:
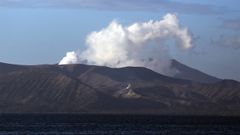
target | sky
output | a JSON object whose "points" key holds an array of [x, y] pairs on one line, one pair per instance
{"points": [[42, 31]]}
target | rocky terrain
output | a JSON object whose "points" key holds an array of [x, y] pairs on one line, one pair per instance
{"points": [[133, 90]]}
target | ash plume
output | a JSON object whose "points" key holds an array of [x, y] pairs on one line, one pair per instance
{"points": [[142, 44]]}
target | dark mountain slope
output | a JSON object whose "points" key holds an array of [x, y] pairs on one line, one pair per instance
{"points": [[40, 90], [185, 72], [95, 89], [5, 68]]}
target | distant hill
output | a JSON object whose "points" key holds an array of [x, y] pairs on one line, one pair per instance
{"points": [[96, 89], [185, 72], [6, 68]]}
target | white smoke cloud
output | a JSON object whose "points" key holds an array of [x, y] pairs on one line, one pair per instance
{"points": [[70, 58], [140, 44]]}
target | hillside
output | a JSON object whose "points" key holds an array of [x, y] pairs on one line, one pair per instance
{"points": [[95, 89], [185, 72]]}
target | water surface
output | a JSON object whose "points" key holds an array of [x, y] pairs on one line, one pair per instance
{"points": [[71, 124]]}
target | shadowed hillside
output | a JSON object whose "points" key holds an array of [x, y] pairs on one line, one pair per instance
{"points": [[94, 89], [185, 72]]}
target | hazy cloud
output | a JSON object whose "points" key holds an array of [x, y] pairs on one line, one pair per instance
{"points": [[141, 44], [146, 5], [231, 38], [232, 24], [232, 41]]}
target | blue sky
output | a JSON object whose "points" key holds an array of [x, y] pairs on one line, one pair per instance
{"points": [[42, 31]]}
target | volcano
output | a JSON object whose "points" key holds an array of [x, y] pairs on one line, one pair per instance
{"points": [[82, 88]]}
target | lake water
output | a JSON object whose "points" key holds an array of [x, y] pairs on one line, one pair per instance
{"points": [[71, 124]]}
